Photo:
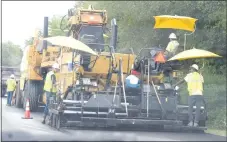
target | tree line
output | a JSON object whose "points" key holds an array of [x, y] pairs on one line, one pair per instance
{"points": [[135, 22]]}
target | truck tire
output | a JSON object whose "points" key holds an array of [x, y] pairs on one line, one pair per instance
{"points": [[19, 103], [32, 90], [3, 93]]}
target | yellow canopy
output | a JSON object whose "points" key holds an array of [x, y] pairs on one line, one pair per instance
{"points": [[71, 43], [193, 54], [175, 22]]}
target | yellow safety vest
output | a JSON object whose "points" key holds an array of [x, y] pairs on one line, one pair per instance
{"points": [[11, 85], [195, 84], [172, 46], [48, 83]]}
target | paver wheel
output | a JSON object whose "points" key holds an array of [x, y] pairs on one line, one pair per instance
{"points": [[58, 122], [32, 91], [19, 103], [53, 123]]}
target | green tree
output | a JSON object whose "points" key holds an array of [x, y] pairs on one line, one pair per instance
{"points": [[53, 29], [29, 41], [11, 54], [135, 22], [135, 25], [54, 26]]}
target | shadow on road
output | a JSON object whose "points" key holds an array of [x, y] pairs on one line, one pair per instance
{"points": [[25, 136], [16, 136]]}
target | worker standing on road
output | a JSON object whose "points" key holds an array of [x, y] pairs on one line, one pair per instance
{"points": [[50, 88], [172, 46], [11, 86], [195, 87]]}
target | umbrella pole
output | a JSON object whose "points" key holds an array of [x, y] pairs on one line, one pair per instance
{"points": [[201, 69], [185, 38], [60, 82], [185, 41], [73, 54], [61, 60]]}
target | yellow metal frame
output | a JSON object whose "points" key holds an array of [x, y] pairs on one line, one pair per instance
{"points": [[65, 78], [76, 19]]}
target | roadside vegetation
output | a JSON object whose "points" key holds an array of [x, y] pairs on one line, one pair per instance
{"points": [[135, 30], [11, 54]]}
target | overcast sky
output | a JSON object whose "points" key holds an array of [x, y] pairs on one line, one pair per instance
{"points": [[20, 18]]}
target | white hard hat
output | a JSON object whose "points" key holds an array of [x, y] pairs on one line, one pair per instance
{"points": [[56, 66], [12, 76], [195, 66], [172, 36]]}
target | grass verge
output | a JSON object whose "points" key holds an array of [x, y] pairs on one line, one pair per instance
{"points": [[216, 132]]}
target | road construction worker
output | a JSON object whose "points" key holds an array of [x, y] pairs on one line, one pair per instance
{"points": [[50, 88], [195, 88], [11, 86], [132, 80], [172, 46]]}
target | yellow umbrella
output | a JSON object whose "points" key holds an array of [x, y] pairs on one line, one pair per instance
{"points": [[175, 22], [193, 54], [71, 43]]}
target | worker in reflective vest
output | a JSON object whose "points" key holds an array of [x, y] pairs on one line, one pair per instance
{"points": [[172, 46], [195, 88], [50, 89], [11, 86]]}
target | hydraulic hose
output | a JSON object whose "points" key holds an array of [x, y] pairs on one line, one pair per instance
{"points": [[61, 23]]}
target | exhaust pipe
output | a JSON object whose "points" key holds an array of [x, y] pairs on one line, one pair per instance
{"points": [[45, 32], [113, 40]]}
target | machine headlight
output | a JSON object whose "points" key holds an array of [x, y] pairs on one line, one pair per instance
{"points": [[202, 107]]}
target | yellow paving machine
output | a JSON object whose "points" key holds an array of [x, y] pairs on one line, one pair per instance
{"points": [[91, 81], [154, 103]]}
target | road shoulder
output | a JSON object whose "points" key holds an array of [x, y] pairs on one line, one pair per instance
{"points": [[216, 132]]}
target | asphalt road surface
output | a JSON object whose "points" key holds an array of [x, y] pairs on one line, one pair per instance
{"points": [[16, 128]]}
